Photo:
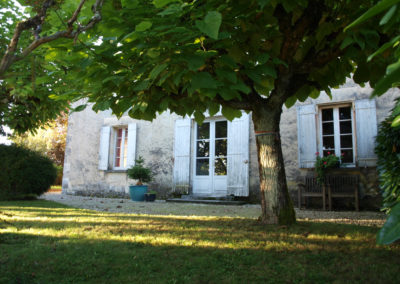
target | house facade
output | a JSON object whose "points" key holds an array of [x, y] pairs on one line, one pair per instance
{"points": [[219, 158]]}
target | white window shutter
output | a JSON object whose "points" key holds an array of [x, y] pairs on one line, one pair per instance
{"points": [[306, 135], [366, 126], [182, 155], [238, 156], [130, 159], [104, 147]]}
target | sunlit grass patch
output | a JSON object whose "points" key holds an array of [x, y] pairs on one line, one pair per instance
{"points": [[46, 242]]}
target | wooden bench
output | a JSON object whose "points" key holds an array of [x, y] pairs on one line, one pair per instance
{"points": [[335, 186], [343, 186], [311, 188]]}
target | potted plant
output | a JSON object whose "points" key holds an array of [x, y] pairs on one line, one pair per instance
{"points": [[142, 175], [322, 164], [150, 196]]}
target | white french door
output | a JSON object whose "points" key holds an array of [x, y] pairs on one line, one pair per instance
{"points": [[210, 158]]}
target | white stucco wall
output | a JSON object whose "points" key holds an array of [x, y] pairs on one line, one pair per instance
{"points": [[155, 142]]}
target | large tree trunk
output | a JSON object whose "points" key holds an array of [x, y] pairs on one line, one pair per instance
{"points": [[276, 205]]}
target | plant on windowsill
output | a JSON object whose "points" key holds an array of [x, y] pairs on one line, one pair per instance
{"points": [[143, 175], [323, 164]]}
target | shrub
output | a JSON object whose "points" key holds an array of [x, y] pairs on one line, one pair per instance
{"points": [[139, 172], [388, 152], [24, 173]]}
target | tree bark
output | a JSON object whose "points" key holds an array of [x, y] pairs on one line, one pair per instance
{"points": [[276, 205]]}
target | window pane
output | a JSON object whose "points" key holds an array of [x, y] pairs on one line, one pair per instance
{"points": [[220, 167], [327, 128], [202, 166], [344, 113], [125, 147], [328, 142], [346, 141], [117, 162], [203, 131], [220, 148], [203, 149], [221, 129], [327, 114], [347, 156], [345, 127]]}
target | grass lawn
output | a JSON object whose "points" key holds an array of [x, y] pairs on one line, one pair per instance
{"points": [[45, 242]]}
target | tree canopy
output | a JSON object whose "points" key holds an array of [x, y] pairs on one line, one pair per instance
{"points": [[29, 80]]}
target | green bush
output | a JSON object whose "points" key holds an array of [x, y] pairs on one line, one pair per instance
{"points": [[388, 152], [24, 173]]}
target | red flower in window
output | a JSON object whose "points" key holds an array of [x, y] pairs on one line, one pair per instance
{"points": [[329, 153]]}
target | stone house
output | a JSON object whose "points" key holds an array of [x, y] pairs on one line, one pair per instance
{"points": [[218, 158]]}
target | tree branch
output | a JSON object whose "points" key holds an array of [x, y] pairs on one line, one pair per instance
{"points": [[35, 23]]}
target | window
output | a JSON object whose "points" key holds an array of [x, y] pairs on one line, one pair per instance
{"points": [[117, 148], [121, 147], [346, 128], [336, 131]]}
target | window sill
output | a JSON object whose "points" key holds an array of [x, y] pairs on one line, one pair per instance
{"points": [[115, 171]]}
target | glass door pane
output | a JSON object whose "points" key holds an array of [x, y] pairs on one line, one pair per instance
{"points": [[203, 149], [220, 150]]}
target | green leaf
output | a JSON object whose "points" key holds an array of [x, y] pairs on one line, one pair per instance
{"points": [[290, 101], [79, 108], [396, 121], [392, 42], [143, 26], [130, 37], [199, 117], [210, 24], [157, 70], [142, 85], [346, 42], [390, 231], [262, 3], [378, 8], [194, 62], [203, 80], [162, 3], [240, 86], [170, 10], [226, 74], [213, 108], [388, 15], [130, 4], [230, 113], [305, 91], [227, 94], [387, 82], [267, 70]]}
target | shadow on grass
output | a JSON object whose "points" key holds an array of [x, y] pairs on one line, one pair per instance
{"points": [[40, 245]]}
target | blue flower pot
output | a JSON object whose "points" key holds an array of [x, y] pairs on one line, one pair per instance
{"points": [[137, 192]]}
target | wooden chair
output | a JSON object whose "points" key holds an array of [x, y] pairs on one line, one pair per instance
{"points": [[342, 186], [311, 188]]}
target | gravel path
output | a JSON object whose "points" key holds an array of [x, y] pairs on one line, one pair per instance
{"points": [[161, 207]]}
